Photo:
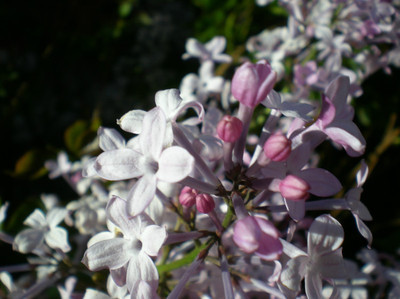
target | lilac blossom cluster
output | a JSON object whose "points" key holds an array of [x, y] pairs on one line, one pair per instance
{"points": [[196, 204]]}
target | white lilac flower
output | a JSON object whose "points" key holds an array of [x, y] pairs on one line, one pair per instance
{"points": [[44, 228], [210, 51], [151, 164], [323, 260], [126, 250], [199, 87], [59, 167]]}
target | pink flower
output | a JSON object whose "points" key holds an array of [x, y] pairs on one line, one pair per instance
{"points": [[259, 236], [251, 83]]}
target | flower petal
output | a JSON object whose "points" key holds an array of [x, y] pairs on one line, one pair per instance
{"points": [[168, 100], [325, 235], [132, 121], [36, 219], [110, 139], [141, 194], [296, 208], [175, 164], [57, 237], [111, 254], [152, 239], [55, 216], [141, 267], [27, 240], [321, 181], [347, 134], [153, 133], [120, 164]]}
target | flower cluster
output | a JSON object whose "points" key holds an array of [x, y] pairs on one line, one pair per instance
{"points": [[195, 203]]}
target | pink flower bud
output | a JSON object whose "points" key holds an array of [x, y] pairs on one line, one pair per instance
{"points": [[251, 83], [294, 188], [257, 235], [204, 203], [187, 197], [278, 147], [229, 128]]}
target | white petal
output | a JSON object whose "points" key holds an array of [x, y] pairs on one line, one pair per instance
{"points": [[110, 139], [331, 265], [141, 267], [153, 133], [364, 230], [325, 235], [175, 164], [117, 213], [141, 194], [152, 239], [100, 237], [168, 100], [132, 121], [57, 237], [112, 254], [94, 294], [27, 240], [293, 272], [55, 216], [36, 219], [362, 174], [313, 285], [119, 164]]}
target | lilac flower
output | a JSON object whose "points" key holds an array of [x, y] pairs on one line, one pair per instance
{"points": [[357, 208], [210, 51], [151, 164], [44, 228], [336, 120], [323, 260], [320, 181], [171, 104], [126, 249], [200, 87]]}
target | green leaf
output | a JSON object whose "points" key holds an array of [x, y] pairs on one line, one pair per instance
{"points": [[30, 165], [186, 260]]}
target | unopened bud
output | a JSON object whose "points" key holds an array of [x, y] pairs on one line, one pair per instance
{"points": [[294, 188], [278, 147], [229, 128], [187, 196], [204, 203], [251, 83]]}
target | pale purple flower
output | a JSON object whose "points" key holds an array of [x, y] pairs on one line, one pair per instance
{"points": [[210, 51], [199, 87], [323, 260], [172, 105], [59, 167], [44, 228], [357, 208], [321, 182], [151, 164], [127, 249]]}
